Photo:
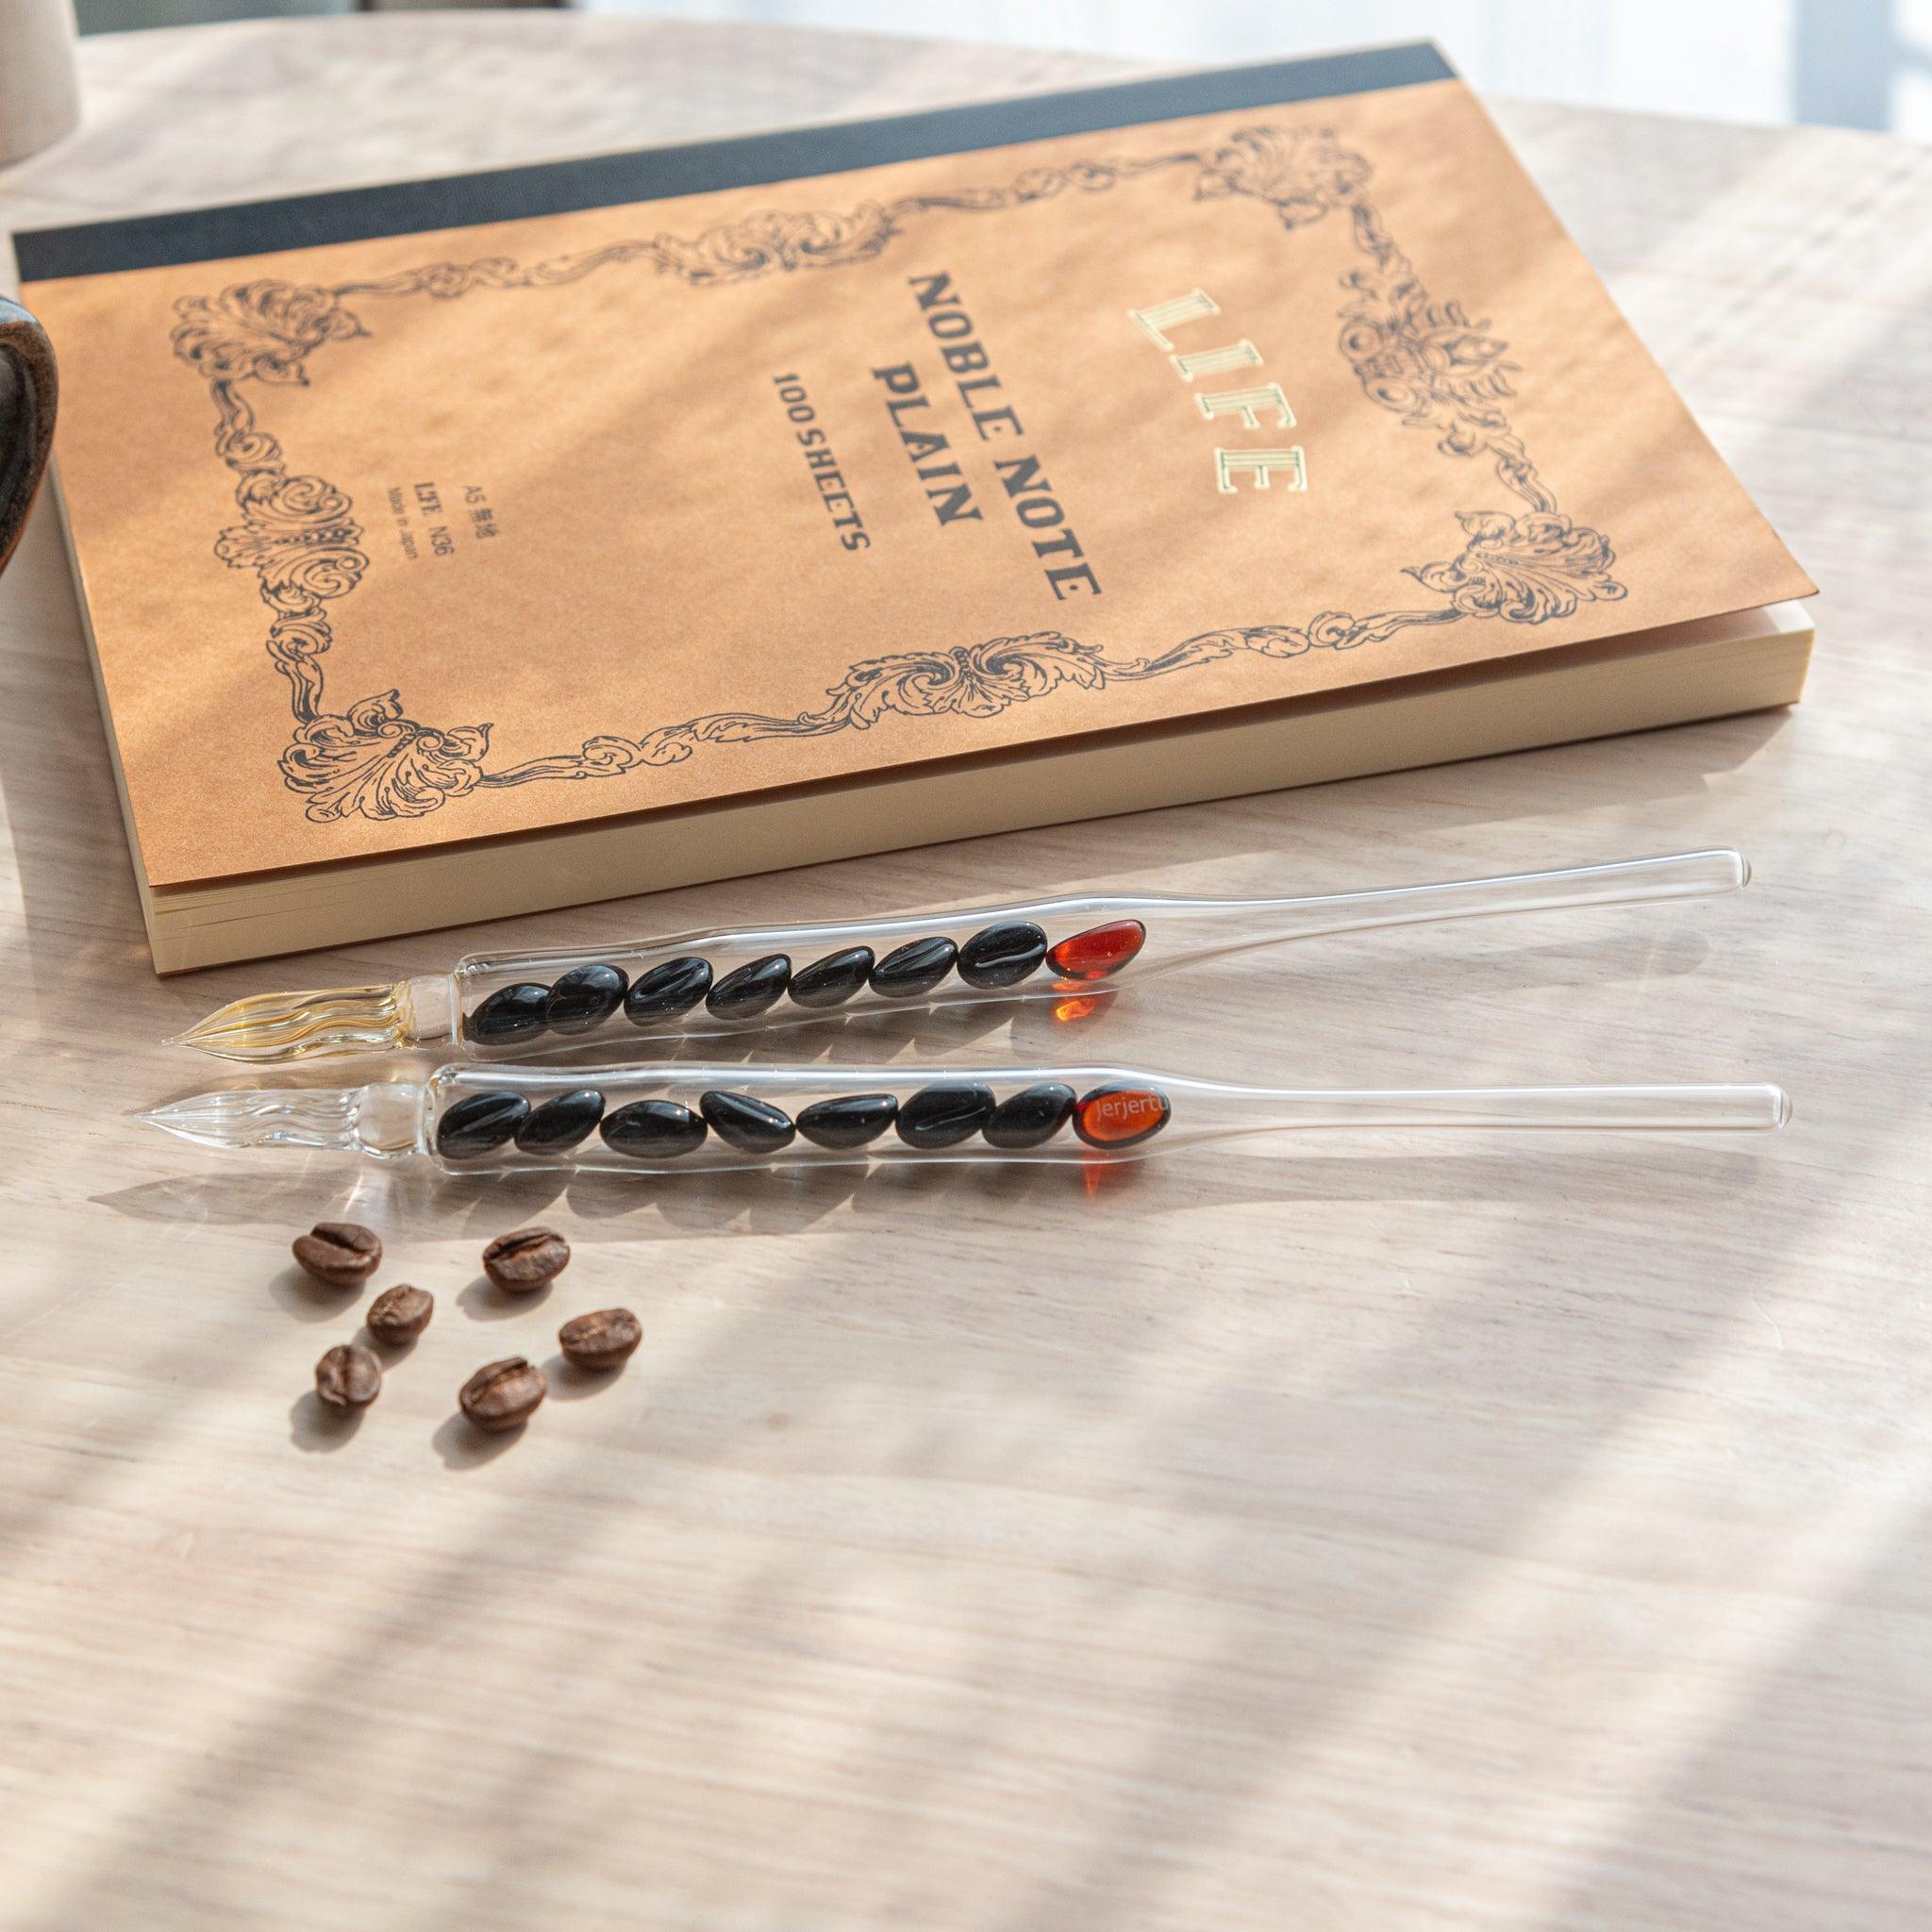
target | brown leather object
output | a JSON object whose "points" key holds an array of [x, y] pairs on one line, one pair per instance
{"points": [[28, 393]]}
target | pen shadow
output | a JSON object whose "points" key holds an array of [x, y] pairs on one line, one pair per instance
{"points": [[1495, 1166], [868, 1033]]}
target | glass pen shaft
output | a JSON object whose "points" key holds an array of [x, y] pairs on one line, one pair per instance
{"points": [[684, 1117], [693, 985]]}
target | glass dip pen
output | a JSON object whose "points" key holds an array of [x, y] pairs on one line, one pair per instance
{"points": [[726, 980], [660, 1119]]}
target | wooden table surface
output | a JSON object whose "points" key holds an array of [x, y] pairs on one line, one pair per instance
{"points": [[1384, 1532]]}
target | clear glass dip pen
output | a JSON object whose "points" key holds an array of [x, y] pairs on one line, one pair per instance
{"points": [[497, 1005], [661, 1119]]}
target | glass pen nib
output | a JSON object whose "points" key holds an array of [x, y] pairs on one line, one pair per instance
{"points": [[261, 1117]]}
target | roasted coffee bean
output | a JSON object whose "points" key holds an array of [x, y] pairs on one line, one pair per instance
{"points": [[348, 1376], [752, 988], [523, 1261], [558, 1124], [752, 1127], [834, 979], [601, 1341], [666, 991], [511, 1012], [943, 1116], [584, 998], [913, 968], [401, 1313], [850, 1121], [1002, 955], [339, 1254], [500, 1395], [653, 1129], [1031, 1117], [479, 1123]]}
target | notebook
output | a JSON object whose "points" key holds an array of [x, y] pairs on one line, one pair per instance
{"points": [[463, 547]]}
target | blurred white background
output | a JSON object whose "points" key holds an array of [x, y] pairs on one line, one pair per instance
{"points": [[1853, 63]]}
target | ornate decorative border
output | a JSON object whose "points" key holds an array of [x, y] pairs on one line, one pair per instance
{"points": [[1421, 358]]}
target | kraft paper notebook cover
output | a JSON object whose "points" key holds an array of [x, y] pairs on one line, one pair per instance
{"points": [[466, 547]]}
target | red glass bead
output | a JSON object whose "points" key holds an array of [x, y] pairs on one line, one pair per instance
{"points": [[1100, 951], [1120, 1116]]}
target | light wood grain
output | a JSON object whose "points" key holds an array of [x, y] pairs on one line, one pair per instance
{"points": [[1393, 1534]]}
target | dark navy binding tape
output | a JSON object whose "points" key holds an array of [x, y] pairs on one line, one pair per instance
{"points": [[503, 194]]}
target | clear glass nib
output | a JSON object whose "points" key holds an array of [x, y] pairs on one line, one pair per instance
{"points": [[385, 1121], [262, 1117]]}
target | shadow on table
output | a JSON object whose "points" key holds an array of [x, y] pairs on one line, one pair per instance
{"points": [[1824, 1681], [316, 1429], [1523, 1170], [1167, 1630]]}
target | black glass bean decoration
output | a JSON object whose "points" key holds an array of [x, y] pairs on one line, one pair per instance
{"points": [[560, 1124], [751, 990], [1002, 955], [834, 979], [651, 1129], [914, 969], [850, 1121], [943, 1115], [479, 1123], [1031, 1117], [752, 1127], [584, 998], [511, 1012], [666, 991]]}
